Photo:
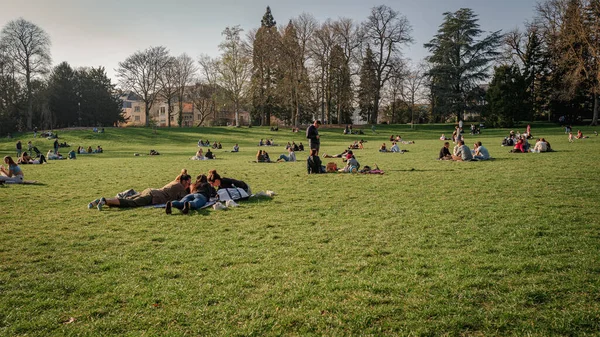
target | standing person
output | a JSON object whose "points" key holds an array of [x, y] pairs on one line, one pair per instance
{"points": [[19, 149], [312, 133], [14, 173], [35, 132], [56, 146]]}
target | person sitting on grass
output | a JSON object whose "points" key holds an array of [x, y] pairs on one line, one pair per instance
{"points": [[259, 157], [290, 157], [295, 146], [462, 153], [53, 156], [580, 135], [395, 148], [445, 152], [13, 174], [236, 148], [200, 193], [216, 181], [72, 154], [89, 150], [174, 190], [383, 148], [540, 146], [481, 153], [266, 158], [313, 163], [352, 164], [518, 147], [199, 155], [300, 147], [209, 155]]}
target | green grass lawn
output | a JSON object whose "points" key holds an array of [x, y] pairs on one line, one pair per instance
{"points": [[504, 247]]}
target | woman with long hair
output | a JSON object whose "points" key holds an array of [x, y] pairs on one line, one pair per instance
{"points": [[13, 173]]}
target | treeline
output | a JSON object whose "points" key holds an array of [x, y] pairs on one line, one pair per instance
{"points": [[329, 70], [32, 94]]}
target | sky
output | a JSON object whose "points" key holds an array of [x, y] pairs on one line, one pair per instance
{"points": [[92, 33]]}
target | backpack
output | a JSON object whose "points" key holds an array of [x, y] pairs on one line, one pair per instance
{"points": [[331, 167], [236, 193]]}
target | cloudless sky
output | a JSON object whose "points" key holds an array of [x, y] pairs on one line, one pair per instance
{"points": [[105, 32]]}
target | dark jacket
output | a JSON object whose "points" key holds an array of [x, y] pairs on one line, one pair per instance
{"points": [[230, 183], [313, 165]]}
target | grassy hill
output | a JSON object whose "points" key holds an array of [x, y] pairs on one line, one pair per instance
{"points": [[504, 247]]}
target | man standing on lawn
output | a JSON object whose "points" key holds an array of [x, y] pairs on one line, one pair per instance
{"points": [[312, 133]]}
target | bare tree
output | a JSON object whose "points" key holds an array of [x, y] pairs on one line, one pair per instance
{"points": [[413, 84], [201, 95], [168, 85], [385, 30], [29, 48], [185, 70], [234, 68], [209, 74], [320, 48], [140, 73]]}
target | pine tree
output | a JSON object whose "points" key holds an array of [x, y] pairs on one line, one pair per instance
{"points": [[459, 62], [265, 54], [506, 97], [367, 90]]}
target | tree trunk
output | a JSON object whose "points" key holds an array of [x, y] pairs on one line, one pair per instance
{"points": [[147, 110], [29, 102], [237, 114], [596, 102]]}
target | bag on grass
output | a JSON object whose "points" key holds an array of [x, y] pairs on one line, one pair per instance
{"points": [[331, 167], [232, 194]]}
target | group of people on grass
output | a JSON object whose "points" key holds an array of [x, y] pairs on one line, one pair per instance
{"points": [[201, 155], [461, 152], [181, 193]]}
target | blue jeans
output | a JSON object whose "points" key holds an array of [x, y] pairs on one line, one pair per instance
{"points": [[284, 157], [196, 201]]}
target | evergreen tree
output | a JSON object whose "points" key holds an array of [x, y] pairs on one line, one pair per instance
{"points": [[459, 62], [367, 89], [100, 103], [265, 54], [63, 97], [506, 97], [341, 90]]}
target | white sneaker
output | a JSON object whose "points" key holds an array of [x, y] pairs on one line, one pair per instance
{"points": [[219, 206], [271, 193], [231, 203], [261, 194]]}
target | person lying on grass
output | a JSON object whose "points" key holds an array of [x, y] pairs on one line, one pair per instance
{"points": [[200, 193], [339, 155], [215, 180], [174, 190], [27, 159], [13, 174]]}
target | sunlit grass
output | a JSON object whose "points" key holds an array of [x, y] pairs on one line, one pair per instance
{"points": [[505, 247]]}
